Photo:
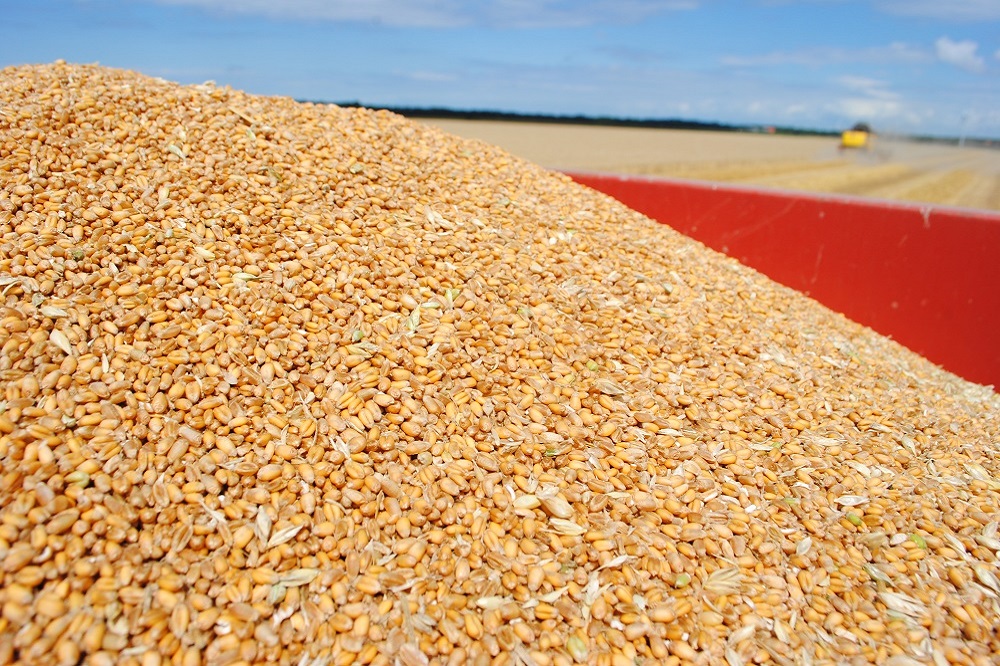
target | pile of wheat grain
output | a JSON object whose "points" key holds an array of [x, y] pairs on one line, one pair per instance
{"points": [[298, 384]]}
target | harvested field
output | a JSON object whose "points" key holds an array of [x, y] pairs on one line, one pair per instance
{"points": [[900, 170], [294, 384]]}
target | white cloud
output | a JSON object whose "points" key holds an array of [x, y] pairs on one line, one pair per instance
{"points": [[418, 13], [874, 89], [429, 76], [871, 100], [449, 13], [961, 54], [954, 10], [896, 52], [869, 109], [571, 13]]}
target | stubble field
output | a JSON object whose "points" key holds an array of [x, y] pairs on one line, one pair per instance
{"points": [[967, 177]]}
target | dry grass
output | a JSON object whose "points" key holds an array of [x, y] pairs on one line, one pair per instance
{"points": [[900, 170]]}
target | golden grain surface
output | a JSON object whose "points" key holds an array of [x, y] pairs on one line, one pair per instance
{"points": [[288, 383]]}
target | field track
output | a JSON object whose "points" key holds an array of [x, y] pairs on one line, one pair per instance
{"points": [[898, 170]]}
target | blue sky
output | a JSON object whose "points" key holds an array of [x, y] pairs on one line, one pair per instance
{"points": [[912, 66]]}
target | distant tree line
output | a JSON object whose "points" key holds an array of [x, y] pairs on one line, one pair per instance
{"points": [[578, 119], [612, 121]]}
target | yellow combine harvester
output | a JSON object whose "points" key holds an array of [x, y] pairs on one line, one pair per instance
{"points": [[859, 136]]}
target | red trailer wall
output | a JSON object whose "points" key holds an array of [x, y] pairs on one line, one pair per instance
{"points": [[927, 276]]}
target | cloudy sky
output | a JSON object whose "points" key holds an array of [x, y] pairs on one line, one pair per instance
{"points": [[913, 66]]}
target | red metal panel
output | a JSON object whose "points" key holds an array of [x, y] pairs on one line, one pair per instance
{"points": [[927, 276]]}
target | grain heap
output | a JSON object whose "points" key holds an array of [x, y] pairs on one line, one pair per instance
{"points": [[300, 384]]}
